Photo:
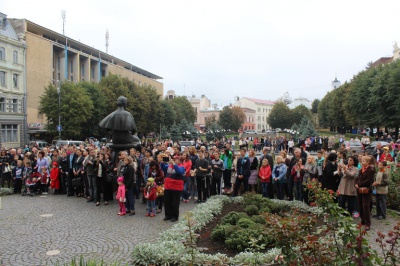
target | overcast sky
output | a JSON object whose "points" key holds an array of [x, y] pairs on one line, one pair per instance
{"points": [[259, 49]]}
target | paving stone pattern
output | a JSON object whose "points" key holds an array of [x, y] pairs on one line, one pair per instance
{"points": [[80, 228], [76, 228]]}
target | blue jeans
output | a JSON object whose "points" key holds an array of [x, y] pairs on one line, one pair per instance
{"points": [[130, 200], [265, 187], [151, 206], [381, 205], [92, 187], [185, 192], [299, 190]]}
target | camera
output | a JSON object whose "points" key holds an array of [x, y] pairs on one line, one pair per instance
{"points": [[165, 159]]}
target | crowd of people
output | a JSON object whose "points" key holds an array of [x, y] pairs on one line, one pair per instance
{"points": [[163, 174]]}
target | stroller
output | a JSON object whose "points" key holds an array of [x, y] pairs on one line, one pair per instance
{"points": [[32, 185]]}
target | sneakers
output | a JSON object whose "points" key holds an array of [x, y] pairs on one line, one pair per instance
{"points": [[152, 214], [147, 214], [379, 217], [186, 201], [356, 214]]}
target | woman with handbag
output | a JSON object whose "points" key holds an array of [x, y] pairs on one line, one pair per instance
{"points": [[363, 184]]}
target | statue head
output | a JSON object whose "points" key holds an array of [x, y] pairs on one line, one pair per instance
{"points": [[122, 101]]}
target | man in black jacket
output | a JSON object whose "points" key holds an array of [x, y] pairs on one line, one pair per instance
{"points": [[201, 173], [71, 157], [243, 172], [297, 154]]}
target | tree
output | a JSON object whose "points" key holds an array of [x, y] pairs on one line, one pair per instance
{"points": [[90, 127], [210, 120], [306, 128], [280, 116], [167, 115], [231, 118], [299, 112], [183, 109], [76, 108], [314, 106]]}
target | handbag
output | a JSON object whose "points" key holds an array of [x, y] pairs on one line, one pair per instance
{"points": [[363, 190], [76, 182], [109, 176], [160, 191]]}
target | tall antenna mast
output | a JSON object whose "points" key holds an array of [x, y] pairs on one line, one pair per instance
{"points": [[63, 14], [107, 37]]}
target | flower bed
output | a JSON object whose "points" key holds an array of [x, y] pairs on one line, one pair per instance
{"points": [[177, 245]]}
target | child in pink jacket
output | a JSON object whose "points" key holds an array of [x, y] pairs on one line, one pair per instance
{"points": [[121, 195]]}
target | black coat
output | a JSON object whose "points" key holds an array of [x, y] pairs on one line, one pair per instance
{"points": [[129, 176], [329, 180]]}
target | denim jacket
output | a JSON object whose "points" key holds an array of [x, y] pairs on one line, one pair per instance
{"points": [[279, 171]]}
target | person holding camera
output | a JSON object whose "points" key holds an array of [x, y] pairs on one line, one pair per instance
{"points": [[173, 187], [347, 191]]}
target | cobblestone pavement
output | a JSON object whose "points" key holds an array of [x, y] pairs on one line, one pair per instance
{"points": [[384, 226], [74, 228]]}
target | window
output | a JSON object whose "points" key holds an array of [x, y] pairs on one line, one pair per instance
{"points": [[2, 104], [2, 53], [2, 78], [92, 72], [15, 57], [72, 78], [58, 63], [259, 109], [72, 66], [9, 133], [82, 70], [15, 105], [15, 80]]}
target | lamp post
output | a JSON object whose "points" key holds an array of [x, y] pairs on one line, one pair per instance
{"points": [[59, 107]]}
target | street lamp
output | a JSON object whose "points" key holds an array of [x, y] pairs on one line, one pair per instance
{"points": [[59, 114]]}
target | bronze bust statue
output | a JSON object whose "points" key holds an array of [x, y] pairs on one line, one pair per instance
{"points": [[121, 123]]}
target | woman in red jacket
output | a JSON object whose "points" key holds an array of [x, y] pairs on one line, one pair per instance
{"points": [[265, 177], [365, 180], [173, 185]]}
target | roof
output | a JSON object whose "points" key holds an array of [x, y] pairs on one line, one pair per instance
{"points": [[61, 39], [6, 29], [260, 101], [248, 110]]}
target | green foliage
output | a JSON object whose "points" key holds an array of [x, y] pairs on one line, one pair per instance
{"points": [[314, 106], [306, 128], [280, 116], [76, 109], [183, 109], [241, 239], [233, 217], [299, 112], [371, 99], [245, 223], [259, 219], [393, 196], [251, 210], [219, 232], [87, 262], [231, 118]]}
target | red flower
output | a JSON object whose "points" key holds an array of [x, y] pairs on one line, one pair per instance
{"points": [[313, 204]]}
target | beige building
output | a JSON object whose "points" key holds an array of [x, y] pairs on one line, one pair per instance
{"points": [[250, 119], [53, 57], [262, 109], [12, 86], [199, 105]]}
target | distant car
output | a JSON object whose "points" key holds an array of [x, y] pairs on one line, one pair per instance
{"points": [[278, 129], [354, 146], [250, 132], [369, 149], [38, 144]]}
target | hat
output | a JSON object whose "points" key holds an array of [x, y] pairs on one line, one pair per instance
{"points": [[151, 180], [120, 179], [386, 148]]}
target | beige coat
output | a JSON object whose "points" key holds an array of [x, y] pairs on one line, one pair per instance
{"points": [[346, 186]]}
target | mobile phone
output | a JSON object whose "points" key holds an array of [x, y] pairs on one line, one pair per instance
{"points": [[165, 159]]}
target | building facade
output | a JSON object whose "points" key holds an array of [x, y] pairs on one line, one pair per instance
{"points": [[262, 109], [250, 119], [201, 106], [12, 86], [52, 57]]}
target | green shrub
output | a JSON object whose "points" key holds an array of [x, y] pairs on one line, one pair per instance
{"points": [[245, 223], [259, 219], [251, 210], [255, 199], [233, 217], [219, 232], [265, 209], [278, 208], [393, 196], [240, 239]]}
